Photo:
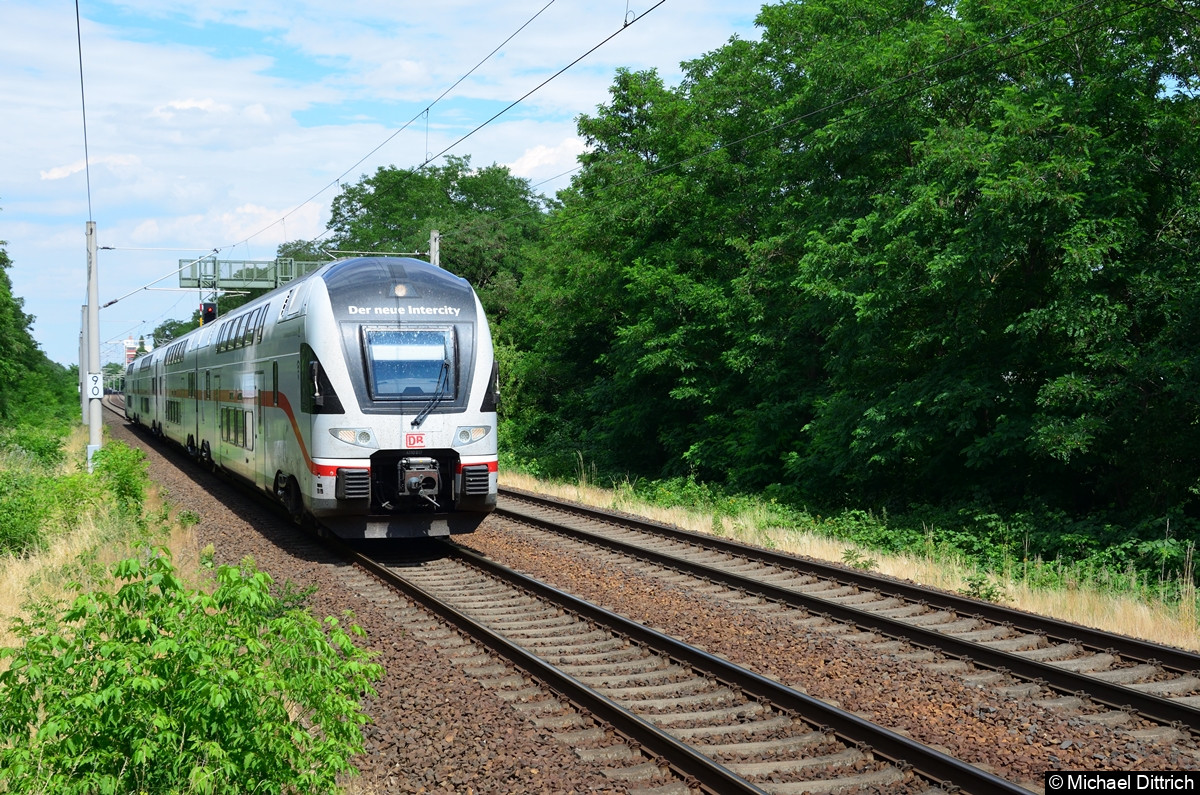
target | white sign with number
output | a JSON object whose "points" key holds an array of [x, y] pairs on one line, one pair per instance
{"points": [[95, 385]]}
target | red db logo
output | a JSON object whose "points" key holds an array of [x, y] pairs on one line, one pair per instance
{"points": [[414, 440]]}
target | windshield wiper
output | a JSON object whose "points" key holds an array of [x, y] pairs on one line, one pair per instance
{"points": [[439, 391]]}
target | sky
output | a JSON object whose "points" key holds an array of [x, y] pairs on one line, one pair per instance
{"points": [[228, 125]]}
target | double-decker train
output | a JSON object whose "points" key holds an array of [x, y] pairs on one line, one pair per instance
{"points": [[362, 396]]}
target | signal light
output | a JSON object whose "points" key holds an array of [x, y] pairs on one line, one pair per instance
{"points": [[208, 313]]}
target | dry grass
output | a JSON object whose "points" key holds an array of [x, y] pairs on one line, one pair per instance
{"points": [[1156, 622], [102, 540]]}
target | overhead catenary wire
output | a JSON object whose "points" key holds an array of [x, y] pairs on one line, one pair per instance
{"points": [[337, 180], [913, 74], [160, 278], [87, 170], [540, 85], [430, 158], [424, 113]]}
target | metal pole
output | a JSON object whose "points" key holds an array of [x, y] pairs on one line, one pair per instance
{"points": [[435, 248], [94, 383]]}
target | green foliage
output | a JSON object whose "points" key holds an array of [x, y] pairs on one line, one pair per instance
{"points": [[893, 253], [44, 445], [36, 501], [24, 502], [854, 558], [170, 330], [979, 586], [124, 471], [33, 390], [158, 688]]}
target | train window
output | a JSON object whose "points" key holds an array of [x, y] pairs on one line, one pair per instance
{"points": [[235, 336], [223, 337], [283, 307], [293, 305], [251, 327], [417, 363]]}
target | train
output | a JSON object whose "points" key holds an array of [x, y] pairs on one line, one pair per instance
{"points": [[362, 396]]}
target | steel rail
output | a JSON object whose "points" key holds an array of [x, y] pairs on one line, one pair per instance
{"points": [[1156, 708], [902, 751], [710, 776], [1169, 657]]}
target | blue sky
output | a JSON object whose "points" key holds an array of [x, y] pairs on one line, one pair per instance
{"points": [[209, 127]]}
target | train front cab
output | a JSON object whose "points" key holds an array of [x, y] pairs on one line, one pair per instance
{"points": [[401, 402]]}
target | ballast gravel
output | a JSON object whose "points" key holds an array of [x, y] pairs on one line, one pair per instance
{"points": [[434, 728]]}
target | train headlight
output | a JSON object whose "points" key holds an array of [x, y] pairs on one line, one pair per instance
{"points": [[359, 437], [469, 434]]}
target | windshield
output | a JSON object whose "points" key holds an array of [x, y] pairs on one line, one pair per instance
{"points": [[409, 364]]}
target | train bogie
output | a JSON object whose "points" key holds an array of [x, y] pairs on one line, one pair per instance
{"points": [[362, 396]]}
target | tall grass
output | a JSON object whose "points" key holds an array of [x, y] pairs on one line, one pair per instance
{"points": [[79, 534], [1111, 599]]}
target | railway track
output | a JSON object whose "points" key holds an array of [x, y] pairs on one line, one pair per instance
{"points": [[720, 728], [671, 718], [761, 740], [1024, 652]]}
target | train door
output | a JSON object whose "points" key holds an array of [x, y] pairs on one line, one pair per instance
{"points": [[204, 435], [156, 389], [217, 444], [202, 408], [193, 403], [261, 479]]}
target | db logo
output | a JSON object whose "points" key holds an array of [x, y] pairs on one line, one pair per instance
{"points": [[414, 440]]}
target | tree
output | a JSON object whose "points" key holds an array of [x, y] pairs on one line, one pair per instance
{"points": [[894, 252], [170, 330], [484, 216], [998, 273], [33, 389], [16, 344]]}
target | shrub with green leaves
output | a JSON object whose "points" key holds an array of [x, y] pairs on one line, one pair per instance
{"points": [[41, 444], [24, 502], [123, 469], [159, 688]]}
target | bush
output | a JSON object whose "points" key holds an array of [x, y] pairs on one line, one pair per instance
{"points": [[25, 499], [161, 689], [123, 470], [42, 444]]}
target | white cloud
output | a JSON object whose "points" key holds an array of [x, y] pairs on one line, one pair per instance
{"points": [[217, 137], [536, 161], [208, 105], [61, 172]]}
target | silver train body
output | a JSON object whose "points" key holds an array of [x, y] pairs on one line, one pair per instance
{"points": [[362, 396]]}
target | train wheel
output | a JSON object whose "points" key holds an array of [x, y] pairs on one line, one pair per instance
{"points": [[191, 446], [292, 500], [206, 458]]}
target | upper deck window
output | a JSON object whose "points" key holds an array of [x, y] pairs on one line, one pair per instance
{"points": [[416, 363]]}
